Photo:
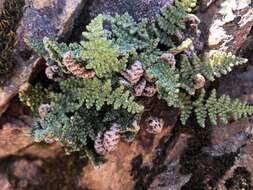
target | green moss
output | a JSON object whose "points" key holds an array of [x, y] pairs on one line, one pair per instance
{"points": [[9, 19]]}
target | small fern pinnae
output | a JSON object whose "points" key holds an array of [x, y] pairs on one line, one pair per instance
{"points": [[222, 108]]}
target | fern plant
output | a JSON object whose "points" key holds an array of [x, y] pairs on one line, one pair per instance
{"points": [[82, 108], [221, 108]]}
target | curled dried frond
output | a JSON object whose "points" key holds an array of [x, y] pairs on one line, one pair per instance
{"points": [[99, 144], [51, 72], [134, 74], [75, 68], [43, 110], [168, 58], [112, 138], [108, 141], [154, 125], [199, 81], [139, 88]]}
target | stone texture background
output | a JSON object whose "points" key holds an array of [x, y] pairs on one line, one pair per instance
{"points": [[188, 157]]}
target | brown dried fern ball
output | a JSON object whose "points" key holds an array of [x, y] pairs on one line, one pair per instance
{"points": [[99, 144], [51, 71], [43, 110], [134, 74], [112, 138], [168, 58], [154, 125], [75, 68], [139, 88], [199, 81]]}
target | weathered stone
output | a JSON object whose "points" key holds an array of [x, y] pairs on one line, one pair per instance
{"points": [[13, 138], [53, 19], [30, 176], [206, 4], [229, 23], [139, 9], [170, 179], [1, 4], [4, 182]]}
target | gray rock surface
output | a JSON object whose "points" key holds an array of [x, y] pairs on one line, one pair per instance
{"points": [[139, 9], [54, 19]]}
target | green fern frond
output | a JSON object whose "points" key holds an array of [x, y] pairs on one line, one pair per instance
{"points": [[167, 81], [98, 51], [168, 23], [127, 34], [200, 110], [221, 108], [34, 95], [94, 92], [186, 107], [221, 63]]}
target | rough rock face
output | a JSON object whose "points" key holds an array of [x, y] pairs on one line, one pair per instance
{"points": [[229, 23], [225, 161], [13, 138], [41, 18], [53, 19], [172, 159], [139, 9]]}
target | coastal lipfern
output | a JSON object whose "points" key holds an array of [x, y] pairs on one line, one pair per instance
{"points": [[103, 80]]}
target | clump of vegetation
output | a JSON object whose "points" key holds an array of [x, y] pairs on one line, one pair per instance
{"points": [[101, 79], [9, 19]]}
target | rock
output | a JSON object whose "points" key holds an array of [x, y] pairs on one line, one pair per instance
{"points": [[205, 4], [4, 182], [1, 4], [139, 9], [31, 172], [30, 176], [229, 23], [13, 138], [170, 179], [54, 19], [231, 145]]}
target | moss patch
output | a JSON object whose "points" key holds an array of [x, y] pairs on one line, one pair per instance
{"points": [[9, 19]]}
